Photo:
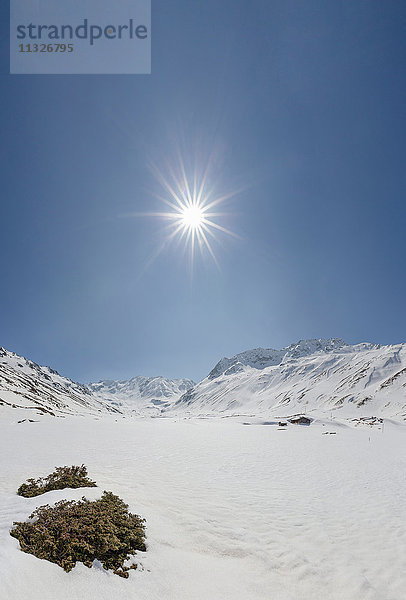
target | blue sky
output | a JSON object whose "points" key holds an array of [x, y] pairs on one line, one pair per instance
{"points": [[302, 102]]}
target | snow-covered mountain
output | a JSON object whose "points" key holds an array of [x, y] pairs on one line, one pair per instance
{"points": [[260, 358], [36, 390], [31, 390], [147, 395], [312, 377]]}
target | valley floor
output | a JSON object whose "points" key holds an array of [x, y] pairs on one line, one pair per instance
{"points": [[233, 512]]}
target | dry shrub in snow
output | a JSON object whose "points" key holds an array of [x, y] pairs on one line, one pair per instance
{"points": [[84, 531], [62, 477]]}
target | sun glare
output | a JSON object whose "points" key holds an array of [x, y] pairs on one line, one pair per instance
{"points": [[193, 217], [193, 202]]}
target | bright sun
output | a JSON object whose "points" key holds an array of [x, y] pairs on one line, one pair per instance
{"points": [[193, 208], [192, 217]]}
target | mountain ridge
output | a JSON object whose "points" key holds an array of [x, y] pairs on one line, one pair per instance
{"points": [[141, 393], [312, 376], [308, 377], [261, 358], [36, 389]]}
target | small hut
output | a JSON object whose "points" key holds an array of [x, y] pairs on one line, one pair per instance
{"points": [[300, 421]]}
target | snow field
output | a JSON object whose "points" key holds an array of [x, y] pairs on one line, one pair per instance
{"points": [[233, 512]]}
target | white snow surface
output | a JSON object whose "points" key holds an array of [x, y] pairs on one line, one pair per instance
{"points": [[233, 511], [237, 506]]}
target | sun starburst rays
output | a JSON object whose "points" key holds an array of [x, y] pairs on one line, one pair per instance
{"points": [[193, 210], [191, 222]]}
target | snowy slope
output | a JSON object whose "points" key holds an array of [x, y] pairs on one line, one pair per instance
{"points": [[148, 395], [312, 377], [32, 390]]}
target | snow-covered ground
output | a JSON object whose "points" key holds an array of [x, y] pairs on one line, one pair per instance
{"points": [[234, 511]]}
